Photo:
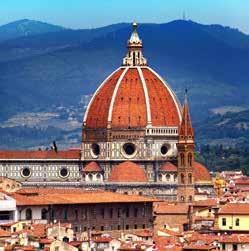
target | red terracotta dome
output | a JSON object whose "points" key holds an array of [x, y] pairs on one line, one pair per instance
{"points": [[133, 97], [127, 172], [201, 173], [92, 167], [168, 167]]}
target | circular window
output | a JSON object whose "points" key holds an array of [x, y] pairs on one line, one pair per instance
{"points": [[129, 148], [26, 172], [164, 149], [95, 149], [64, 172]]}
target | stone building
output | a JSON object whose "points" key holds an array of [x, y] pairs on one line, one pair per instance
{"points": [[84, 210], [136, 139]]}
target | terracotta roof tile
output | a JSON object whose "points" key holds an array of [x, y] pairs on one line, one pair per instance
{"points": [[163, 109], [67, 154], [201, 173], [92, 167], [129, 109], [4, 233], [98, 110], [168, 167], [127, 172], [235, 208], [205, 203], [166, 208], [61, 196]]}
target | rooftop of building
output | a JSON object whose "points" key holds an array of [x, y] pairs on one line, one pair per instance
{"points": [[52, 196], [40, 154]]}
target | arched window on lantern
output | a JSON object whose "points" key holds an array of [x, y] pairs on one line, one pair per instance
{"points": [[134, 58], [190, 159]]}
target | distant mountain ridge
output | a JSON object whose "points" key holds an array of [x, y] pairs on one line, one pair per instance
{"points": [[57, 67], [26, 27], [229, 129]]}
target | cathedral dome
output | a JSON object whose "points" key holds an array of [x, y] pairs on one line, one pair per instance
{"points": [[133, 96], [201, 173], [127, 172]]}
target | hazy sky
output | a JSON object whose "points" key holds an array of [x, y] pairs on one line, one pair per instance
{"points": [[95, 13]]}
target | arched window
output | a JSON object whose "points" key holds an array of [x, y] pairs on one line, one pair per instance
{"points": [[237, 222], [134, 58], [28, 214], [182, 159], [182, 178], [98, 176], [190, 178], [168, 177], [160, 177], [90, 176], [190, 198], [65, 214], [65, 239], [190, 159], [44, 213]]}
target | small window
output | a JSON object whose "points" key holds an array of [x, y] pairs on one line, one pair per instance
{"points": [[135, 212], [190, 159], [26, 172], [129, 148], [119, 212], [235, 246], [95, 149], [182, 159], [65, 214], [223, 245], [190, 178], [164, 149], [237, 222], [111, 213], [103, 213], [44, 214], [182, 178], [127, 227], [64, 172], [127, 212], [28, 214], [224, 221]]}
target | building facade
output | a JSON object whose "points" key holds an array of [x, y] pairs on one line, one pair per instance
{"points": [[134, 140]]}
